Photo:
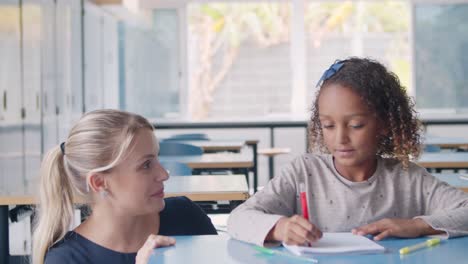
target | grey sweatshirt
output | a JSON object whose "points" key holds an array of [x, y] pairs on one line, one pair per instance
{"points": [[336, 204]]}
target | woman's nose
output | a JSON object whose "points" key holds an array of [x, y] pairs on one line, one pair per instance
{"points": [[162, 173]]}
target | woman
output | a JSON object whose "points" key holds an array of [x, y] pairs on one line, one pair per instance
{"points": [[111, 159]]}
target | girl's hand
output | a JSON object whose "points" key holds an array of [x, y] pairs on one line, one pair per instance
{"points": [[294, 230], [396, 228], [151, 243]]}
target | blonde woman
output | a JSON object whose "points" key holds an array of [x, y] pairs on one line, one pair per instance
{"points": [[111, 158]]}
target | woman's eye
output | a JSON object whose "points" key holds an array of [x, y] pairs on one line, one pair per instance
{"points": [[147, 164]]}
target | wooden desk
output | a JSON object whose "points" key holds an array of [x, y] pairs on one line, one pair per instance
{"points": [[444, 160], [447, 142], [252, 141], [231, 144], [216, 146], [214, 161], [453, 179], [222, 249], [208, 187], [196, 187]]}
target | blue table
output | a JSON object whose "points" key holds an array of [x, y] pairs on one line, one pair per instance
{"points": [[222, 249]]}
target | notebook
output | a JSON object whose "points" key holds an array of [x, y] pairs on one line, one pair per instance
{"points": [[338, 243]]}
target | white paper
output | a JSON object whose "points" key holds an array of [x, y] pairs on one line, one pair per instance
{"points": [[338, 243]]}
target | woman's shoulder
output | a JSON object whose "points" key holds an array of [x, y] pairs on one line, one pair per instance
{"points": [[175, 204], [178, 200], [76, 249], [181, 216], [66, 250]]}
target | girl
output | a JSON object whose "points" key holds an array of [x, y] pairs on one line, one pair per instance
{"points": [[364, 183], [110, 159]]}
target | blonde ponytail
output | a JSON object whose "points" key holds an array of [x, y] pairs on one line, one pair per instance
{"points": [[56, 205], [97, 143]]}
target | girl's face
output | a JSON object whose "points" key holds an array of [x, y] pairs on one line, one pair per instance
{"points": [[350, 130], [136, 184]]}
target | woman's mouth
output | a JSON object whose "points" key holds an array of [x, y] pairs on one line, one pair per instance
{"points": [[158, 194]]}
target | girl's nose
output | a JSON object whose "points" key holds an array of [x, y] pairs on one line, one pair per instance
{"points": [[342, 135]]}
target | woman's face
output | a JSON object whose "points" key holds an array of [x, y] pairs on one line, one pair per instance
{"points": [[136, 185]]}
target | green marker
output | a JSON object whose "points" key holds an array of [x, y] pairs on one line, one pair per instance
{"points": [[428, 243], [280, 253]]}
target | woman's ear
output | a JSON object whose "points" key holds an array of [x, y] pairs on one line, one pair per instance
{"points": [[97, 182]]}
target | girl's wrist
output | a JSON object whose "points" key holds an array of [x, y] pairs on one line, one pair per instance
{"points": [[275, 232], [424, 228]]}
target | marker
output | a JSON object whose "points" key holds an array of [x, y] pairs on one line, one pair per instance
{"points": [[284, 254], [428, 243], [305, 211]]}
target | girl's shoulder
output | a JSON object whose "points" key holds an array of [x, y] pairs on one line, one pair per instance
{"points": [[394, 166], [311, 162], [313, 158]]}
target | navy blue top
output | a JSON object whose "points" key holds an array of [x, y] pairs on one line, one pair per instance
{"points": [[179, 217]]}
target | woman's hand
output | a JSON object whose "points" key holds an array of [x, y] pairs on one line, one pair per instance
{"points": [[396, 228], [151, 243], [294, 230]]}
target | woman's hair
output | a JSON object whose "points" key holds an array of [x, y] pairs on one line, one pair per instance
{"points": [[384, 95], [97, 143]]}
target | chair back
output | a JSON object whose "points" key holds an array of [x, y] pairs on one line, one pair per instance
{"points": [[432, 148], [169, 148], [175, 168], [192, 136]]}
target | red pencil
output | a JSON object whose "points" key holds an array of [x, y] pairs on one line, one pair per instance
{"points": [[305, 210]]}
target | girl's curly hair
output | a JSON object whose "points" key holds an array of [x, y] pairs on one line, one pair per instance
{"points": [[383, 93]]}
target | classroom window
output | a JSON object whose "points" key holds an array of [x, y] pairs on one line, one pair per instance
{"points": [[245, 59], [239, 59], [149, 66], [375, 29], [441, 57]]}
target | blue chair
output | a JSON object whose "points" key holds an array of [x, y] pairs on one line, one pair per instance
{"points": [[432, 148], [175, 168], [168, 148], [193, 136]]}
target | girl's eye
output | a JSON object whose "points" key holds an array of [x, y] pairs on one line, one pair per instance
{"points": [[357, 126], [327, 126]]}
